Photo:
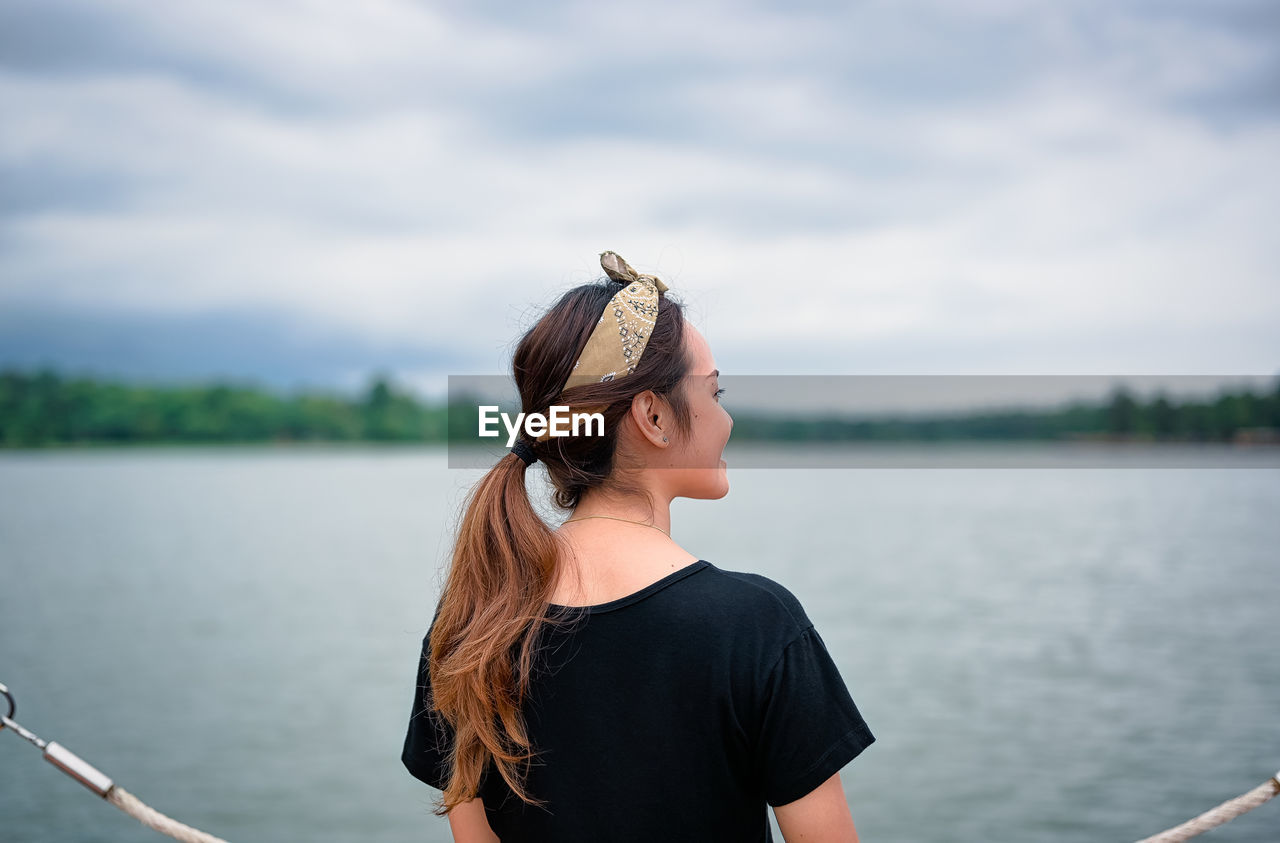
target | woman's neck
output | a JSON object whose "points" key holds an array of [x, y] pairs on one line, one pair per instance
{"points": [[602, 508]]}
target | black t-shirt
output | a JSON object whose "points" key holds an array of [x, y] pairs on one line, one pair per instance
{"points": [[674, 713]]}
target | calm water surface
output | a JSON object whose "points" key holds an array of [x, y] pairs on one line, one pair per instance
{"points": [[1043, 654]]}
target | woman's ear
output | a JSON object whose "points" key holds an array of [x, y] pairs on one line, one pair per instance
{"points": [[651, 413]]}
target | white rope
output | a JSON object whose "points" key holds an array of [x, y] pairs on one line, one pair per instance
{"points": [[100, 784], [1228, 810], [150, 817]]}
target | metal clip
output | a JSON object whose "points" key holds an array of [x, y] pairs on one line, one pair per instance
{"points": [[12, 705], [57, 754]]}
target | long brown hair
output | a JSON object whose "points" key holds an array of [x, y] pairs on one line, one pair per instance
{"points": [[496, 596]]}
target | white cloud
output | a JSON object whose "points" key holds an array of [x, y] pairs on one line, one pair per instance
{"points": [[796, 207], [353, 56]]}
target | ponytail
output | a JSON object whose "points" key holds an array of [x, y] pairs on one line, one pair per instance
{"points": [[483, 639]]}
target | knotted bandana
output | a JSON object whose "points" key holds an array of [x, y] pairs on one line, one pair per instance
{"points": [[622, 333], [619, 338]]}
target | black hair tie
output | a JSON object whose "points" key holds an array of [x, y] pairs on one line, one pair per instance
{"points": [[522, 450]]}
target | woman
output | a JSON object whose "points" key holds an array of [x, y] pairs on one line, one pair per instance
{"points": [[598, 682]]}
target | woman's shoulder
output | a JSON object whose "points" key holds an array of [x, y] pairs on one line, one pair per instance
{"points": [[742, 597]]}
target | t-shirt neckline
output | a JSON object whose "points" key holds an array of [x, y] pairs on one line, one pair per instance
{"points": [[635, 596]]}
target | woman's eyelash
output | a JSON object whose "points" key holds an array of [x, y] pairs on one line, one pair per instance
{"points": [[718, 393]]}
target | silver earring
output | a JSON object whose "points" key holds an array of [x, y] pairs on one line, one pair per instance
{"points": [[664, 439]]}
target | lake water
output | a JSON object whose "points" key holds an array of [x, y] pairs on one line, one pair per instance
{"points": [[1044, 654]]}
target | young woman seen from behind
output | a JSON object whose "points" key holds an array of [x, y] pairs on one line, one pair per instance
{"points": [[596, 681]]}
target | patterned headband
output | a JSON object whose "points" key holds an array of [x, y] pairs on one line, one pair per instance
{"points": [[619, 338]]}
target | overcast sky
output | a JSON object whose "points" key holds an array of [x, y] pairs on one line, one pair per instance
{"points": [[302, 192]]}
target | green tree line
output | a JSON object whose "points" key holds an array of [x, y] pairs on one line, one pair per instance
{"points": [[1229, 417], [43, 408]]}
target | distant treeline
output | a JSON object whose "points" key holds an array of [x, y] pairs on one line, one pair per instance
{"points": [[44, 409]]}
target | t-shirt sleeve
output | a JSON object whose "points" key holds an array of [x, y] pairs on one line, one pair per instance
{"points": [[809, 725], [430, 738]]}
